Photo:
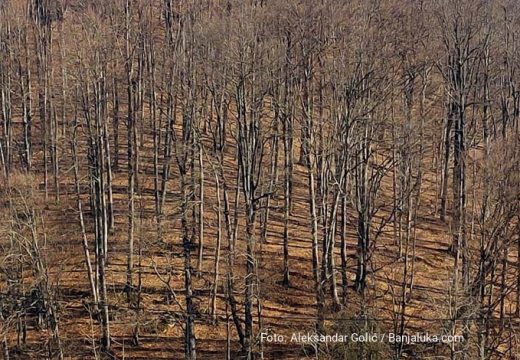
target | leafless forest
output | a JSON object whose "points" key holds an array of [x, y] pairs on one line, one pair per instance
{"points": [[179, 176]]}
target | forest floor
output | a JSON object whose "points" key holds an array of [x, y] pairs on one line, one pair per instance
{"points": [[285, 310]]}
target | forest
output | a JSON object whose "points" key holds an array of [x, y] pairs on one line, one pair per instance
{"points": [[181, 179]]}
